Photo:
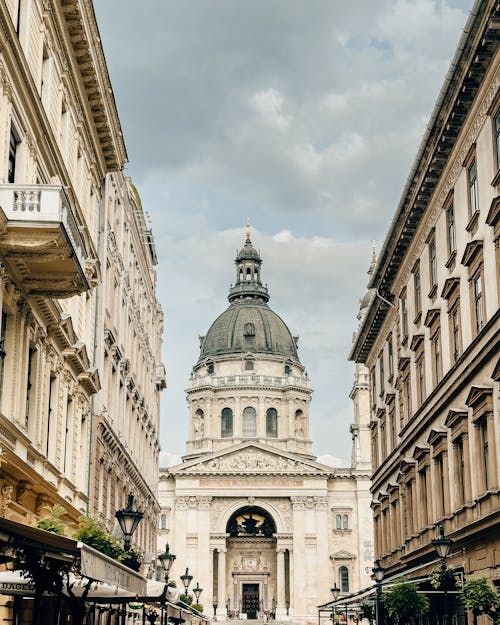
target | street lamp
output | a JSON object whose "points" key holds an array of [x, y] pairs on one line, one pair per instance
{"points": [[442, 544], [214, 606], [129, 519], [166, 560], [335, 590], [197, 591], [186, 579], [378, 574]]}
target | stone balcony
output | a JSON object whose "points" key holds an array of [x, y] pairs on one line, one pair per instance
{"points": [[40, 239], [248, 380]]}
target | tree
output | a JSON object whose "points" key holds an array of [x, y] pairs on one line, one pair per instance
{"points": [[405, 604], [53, 521], [481, 598]]}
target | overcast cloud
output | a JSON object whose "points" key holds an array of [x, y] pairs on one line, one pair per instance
{"points": [[304, 116]]}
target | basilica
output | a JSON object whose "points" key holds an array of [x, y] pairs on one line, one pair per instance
{"points": [[265, 529]]}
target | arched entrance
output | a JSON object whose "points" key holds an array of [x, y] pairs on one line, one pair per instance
{"points": [[251, 551]]}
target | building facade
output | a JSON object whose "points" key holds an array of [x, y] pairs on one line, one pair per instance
{"points": [[430, 333], [76, 280], [262, 526]]}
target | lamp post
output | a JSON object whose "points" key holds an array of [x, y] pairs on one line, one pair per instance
{"points": [[197, 591], [335, 590], [378, 574], [166, 560], [186, 579], [214, 606], [129, 519], [442, 544]]}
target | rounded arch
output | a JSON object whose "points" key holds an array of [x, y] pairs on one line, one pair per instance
{"points": [[251, 521], [276, 515]]}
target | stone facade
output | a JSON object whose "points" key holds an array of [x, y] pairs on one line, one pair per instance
{"points": [[62, 197], [429, 332], [261, 525]]}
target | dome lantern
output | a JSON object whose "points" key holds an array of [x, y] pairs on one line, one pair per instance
{"points": [[248, 284]]}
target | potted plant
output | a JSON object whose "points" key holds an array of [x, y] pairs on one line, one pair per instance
{"points": [[481, 598], [405, 604]]}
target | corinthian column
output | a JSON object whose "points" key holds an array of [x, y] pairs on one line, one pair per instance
{"points": [[221, 585], [280, 583]]}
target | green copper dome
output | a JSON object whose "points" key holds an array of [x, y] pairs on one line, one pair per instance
{"points": [[248, 325]]}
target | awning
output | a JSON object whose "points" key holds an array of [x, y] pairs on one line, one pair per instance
{"points": [[94, 565]]}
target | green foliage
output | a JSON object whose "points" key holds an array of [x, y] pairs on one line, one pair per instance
{"points": [[480, 597], [53, 522], [367, 611], [404, 603], [185, 599], [132, 559], [92, 532], [443, 579], [198, 607], [172, 584]]}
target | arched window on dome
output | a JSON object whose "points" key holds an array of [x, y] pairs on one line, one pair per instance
{"points": [[344, 579], [272, 423], [249, 422], [226, 423], [249, 274]]}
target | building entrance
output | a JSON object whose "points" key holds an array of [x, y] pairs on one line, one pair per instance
{"points": [[250, 600]]}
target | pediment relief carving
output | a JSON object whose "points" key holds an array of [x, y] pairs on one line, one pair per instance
{"points": [[252, 460]]}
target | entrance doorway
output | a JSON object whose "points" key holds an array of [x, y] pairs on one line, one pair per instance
{"points": [[250, 603]]}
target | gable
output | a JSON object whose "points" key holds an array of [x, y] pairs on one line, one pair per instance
{"points": [[250, 459]]}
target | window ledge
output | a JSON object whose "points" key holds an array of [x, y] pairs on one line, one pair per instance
{"points": [[418, 318], [432, 293], [450, 263], [473, 223], [496, 180]]}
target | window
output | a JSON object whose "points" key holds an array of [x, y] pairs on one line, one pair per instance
{"points": [[29, 385], [271, 423], [249, 365], [455, 332], [404, 316], [496, 123], [473, 191], [3, 353], [483, 429], [432, 261], [288, 370], [45, 78], [382, 373], [11, 171], [424, 509], [418, 294], [420, 367], [440, 485], [163, 522], [478, 302], [436, 357], [450, 223], [460, 470], [391, 356], [249, 422], [226, 423], [210, 369], [344, 579], [338, 521], [373, 386], [51, 413], [345, 522]]}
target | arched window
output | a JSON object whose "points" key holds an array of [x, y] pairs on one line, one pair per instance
{"points": [[163, 522], [226, 422], [271, 423], [344, 579], [249, 274], [249, 422], [345, 522], [338, 521]]}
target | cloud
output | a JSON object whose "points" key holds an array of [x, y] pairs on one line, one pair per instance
{"points": [[305, 116]]}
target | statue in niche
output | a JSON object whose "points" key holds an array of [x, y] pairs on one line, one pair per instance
{"points": [[199, 424], [299, 425]]}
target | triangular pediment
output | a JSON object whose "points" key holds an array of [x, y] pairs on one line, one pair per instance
{"points": [[343, 555], [251, 459]]}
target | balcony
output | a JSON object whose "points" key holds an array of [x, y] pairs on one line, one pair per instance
{"points": [[249, 380], [41, 241]]}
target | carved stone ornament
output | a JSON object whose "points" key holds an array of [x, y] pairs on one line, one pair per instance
{"points": [[254, 460], [6, 495]]}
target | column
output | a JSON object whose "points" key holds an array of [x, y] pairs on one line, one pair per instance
{"points": [[221, 585], [280, 583], [291, 586]]}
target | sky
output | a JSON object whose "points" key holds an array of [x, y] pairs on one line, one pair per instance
{"points": [[305, 117]]}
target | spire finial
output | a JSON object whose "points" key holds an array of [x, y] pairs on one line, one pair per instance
{"points": [[248, 229], [373, 260]]}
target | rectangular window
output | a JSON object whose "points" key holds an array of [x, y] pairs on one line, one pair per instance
{"points": [[432, 262], [440, 485], [420, 379], [455, 333], [404, 316], [382, 374], [450, 223], [423, 497], [373, 386], [417, 286], [11, 171], [407, 397], [478, 302], [436, 357], [461, 470], [3, 353], [473, 191], [29, 385], [484, 448], [391, 357], [497, 137]]}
